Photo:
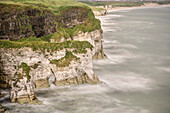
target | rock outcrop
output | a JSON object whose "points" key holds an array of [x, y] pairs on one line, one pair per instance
{"points": [[26, 69], [22, 86], [100, 12], [96, 39]]}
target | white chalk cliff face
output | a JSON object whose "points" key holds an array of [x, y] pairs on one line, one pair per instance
{"points": [[95, 38], [100, 13], [22, 88], [26, 69]]}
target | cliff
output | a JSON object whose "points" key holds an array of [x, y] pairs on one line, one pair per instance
{"points": [[100, 12], [38, 43]]}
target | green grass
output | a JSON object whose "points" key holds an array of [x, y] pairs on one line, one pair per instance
{"points": [[30, 39], [123, 4], [47, 37], [42, 45], [126, 4], [25, 72], [52, 5], [58, 8], [26, 69], [33, 39], [95, 3], [47, 4], [65, 61], [114, 4]]}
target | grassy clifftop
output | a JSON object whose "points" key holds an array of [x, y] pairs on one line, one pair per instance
{"points": [[48, 4], [30, 18], [122, 3], [45, 20], [51, 4]]}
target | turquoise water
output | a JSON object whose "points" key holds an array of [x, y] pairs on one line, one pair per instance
{"points": [[136, 74]]}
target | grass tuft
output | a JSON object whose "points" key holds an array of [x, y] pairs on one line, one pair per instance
{"points": [[42, 45], [26, 69], [65, 61]]}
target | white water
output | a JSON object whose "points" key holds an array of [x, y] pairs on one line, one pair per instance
{"points": [[136, 74]]}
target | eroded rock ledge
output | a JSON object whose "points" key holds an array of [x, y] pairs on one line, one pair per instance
{"points": [[25, 68]]}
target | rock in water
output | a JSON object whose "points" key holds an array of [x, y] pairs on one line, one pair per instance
{"points": [[22, 88]]}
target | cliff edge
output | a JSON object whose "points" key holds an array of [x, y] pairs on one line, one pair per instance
{"points": [[37, 43]]}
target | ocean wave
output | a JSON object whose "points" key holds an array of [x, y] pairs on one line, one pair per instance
{"points": [[128, 81]]}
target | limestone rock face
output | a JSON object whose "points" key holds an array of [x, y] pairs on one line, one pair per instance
{"points": [[26, 69], [37, 60], [22, 86], [22, 91], [95, 38], [79, 71]]}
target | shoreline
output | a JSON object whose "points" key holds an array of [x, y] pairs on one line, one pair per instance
{"points": [[146, 5]]}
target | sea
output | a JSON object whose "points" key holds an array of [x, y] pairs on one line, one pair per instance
{"points": [[135, 77]]}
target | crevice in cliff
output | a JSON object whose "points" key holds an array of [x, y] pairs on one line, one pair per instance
{"points": [[51, 79]]}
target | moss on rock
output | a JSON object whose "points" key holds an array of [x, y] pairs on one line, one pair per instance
{"points": [[26, 69], [65, 61]]}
